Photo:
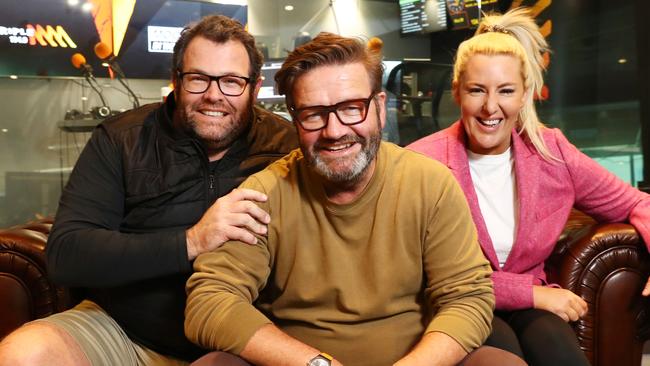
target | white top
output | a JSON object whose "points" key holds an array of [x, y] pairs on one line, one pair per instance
{"points": [[494, 182]]}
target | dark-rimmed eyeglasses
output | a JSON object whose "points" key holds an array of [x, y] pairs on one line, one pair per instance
{"points": [[197, 83], [349, 112]]}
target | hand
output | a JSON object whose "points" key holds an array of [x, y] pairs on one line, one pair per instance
{"points": [[271, 346], [646, 289], [234, 216], [434, 349], [561, 302]]}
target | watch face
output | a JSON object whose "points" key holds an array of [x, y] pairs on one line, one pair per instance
{"points": [[319, 361]]}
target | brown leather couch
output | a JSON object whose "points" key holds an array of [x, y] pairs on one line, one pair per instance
{"points": [[26, 293], [606, 264]]}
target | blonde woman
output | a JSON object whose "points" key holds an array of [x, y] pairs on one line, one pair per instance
{"points": [[521, 180]]}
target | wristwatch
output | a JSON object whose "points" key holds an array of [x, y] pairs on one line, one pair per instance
{"points": [[323, 359]]}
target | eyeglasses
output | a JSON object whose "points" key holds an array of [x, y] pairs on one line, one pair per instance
{"points": [[197, 83], [349, 112]]}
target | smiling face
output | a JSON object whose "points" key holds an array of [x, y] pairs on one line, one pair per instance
{"points": [[340, 153], [213, 118], [490, 94]]}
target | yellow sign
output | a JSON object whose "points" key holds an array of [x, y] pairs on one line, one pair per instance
{"points": [[49, 36]]}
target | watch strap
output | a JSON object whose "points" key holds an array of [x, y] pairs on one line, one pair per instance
{"points": [[320, 357]]}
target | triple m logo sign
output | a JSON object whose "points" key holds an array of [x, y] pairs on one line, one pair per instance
{"points": [[48, 36]]}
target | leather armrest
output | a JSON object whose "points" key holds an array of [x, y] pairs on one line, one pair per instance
{"points": [[26, 293], [607, 265]]}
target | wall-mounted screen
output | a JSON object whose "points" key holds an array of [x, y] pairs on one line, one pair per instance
{"points": [[422, 16], [467, 13], [38, 37]]}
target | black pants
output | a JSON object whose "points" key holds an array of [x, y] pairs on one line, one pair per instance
{"points": [[538, 336]]}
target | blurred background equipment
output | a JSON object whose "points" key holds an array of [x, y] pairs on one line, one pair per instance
{"points": [[105, 53], [79, 61]]}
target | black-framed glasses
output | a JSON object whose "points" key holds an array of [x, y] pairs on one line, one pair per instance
{"points": [[197, 83], [348, 112]]}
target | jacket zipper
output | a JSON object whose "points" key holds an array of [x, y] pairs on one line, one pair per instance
{"points": [[211, 188]]}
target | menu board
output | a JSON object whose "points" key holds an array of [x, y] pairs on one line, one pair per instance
{"points": [[422, 16], [467, 13]]}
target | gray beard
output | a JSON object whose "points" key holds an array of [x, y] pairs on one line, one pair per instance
{"points": [[360, 164]]}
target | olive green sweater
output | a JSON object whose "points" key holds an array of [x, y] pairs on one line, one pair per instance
{"points": [[362, 281]]}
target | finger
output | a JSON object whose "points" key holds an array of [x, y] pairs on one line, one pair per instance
{"points": [[564, 316], [572, 314], [245, 194], [646, 289], [581, 307], [584, 307], [577, 302], [242, 235], [253, 210], [578, 309], [249, 223]]}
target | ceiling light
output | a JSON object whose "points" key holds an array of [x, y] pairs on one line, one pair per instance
{"points": [[288, 7], [4, 130], [622, 60], [73, 2], [87, 7], [13, 77], [231, 2], [105, 64]]}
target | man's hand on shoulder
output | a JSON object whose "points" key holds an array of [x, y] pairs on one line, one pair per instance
{"points": [[234, 216]]}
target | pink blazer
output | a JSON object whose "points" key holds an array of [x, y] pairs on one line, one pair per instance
{"points": [[546, 193]]}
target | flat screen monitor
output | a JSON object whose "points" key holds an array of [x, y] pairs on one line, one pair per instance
{"points": [[422, 16], [38, 37], [465, 14]]}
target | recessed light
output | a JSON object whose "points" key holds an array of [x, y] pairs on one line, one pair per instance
{"points": [[622, 60], [288, 7], [4, 130], [13, 77]]}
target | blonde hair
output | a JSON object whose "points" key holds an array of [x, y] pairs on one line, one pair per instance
{"points": [[516, 34]]}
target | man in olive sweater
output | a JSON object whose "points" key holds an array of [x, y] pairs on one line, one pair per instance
{"points": [[371, 257]]}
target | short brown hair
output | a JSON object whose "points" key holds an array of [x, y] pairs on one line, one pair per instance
{"points": [[218, 29], [328, 49]]}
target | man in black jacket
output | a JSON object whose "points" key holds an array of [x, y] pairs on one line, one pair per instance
{"points": [[140, 206]]}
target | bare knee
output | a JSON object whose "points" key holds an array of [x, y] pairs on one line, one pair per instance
{"points": [[40, 344]]}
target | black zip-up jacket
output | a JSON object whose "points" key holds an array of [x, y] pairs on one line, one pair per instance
{"points": [[119, 232]]}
